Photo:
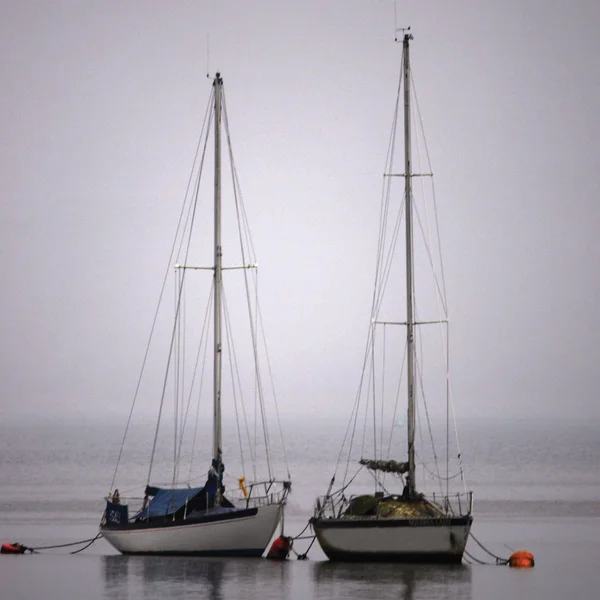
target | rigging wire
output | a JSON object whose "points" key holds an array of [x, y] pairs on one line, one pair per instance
{"points": [[187, 249], [234, 365], [202, 371], [373, 382], [205, 125], [371, 377], [442, 295], [384, 273], [388, 237], [352, 423], [237, 197], [202, 344], [178, 348], [382, 395], [398, 389], [438, 476], [428, 420], [182, 380], [177, 371], [276, 404], [439, 293], [383, 268]]}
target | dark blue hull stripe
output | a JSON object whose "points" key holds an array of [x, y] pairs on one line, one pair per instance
{"points": [[191, 520]]}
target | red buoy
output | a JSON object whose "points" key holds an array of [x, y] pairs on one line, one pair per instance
{"points": [[521, 560], [280, 548], [14, 548]]}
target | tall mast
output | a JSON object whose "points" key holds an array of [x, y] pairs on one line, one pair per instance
{"points": [[218, 275], [409, 268]]}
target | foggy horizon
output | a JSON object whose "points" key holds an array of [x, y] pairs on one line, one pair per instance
{"points": [[102, 106]]}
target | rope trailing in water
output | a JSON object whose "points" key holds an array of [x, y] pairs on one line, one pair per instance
{"points": [[88, 543], [304, 555], [475, 559], [521, 559], [499, 559]]}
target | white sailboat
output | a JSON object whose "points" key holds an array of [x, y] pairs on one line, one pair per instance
{"points": [[386, 524], [182, 517]]}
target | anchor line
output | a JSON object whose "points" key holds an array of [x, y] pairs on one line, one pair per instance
{"points": [[499, 559], [304, 555], [88, 543]]}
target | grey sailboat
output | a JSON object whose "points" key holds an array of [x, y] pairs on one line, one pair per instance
{"points": [[395, 521], [195, 514]]}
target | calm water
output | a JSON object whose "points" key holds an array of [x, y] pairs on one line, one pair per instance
{"points": [[537, 487]]}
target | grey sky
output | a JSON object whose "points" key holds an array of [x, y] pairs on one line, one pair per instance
{"points": [[100, 108]]}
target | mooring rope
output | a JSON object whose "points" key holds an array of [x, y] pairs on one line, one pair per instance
{"points": [[499, 559], [304, 555], [475, 559], [89, 542]]}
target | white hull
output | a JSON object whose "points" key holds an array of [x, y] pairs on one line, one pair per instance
{"points": [[239, 536], [399, 540]]}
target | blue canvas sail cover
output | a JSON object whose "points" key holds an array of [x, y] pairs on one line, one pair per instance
{"points": [[167, 501]]}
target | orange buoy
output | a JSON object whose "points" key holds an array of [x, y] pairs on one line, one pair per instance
{"points": [[280, 548], [521, 560], [14, 548]]}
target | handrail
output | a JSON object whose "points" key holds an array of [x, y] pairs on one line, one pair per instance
{"points": [[334, 505], [270, 496]]}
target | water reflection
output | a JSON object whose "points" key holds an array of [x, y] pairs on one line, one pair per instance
{"points": [[204, 577], [407, 582], [116, 573], [144, 577], [138, 577]]}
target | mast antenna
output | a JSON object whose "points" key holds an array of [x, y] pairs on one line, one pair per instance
{"points": [[208, 55]]}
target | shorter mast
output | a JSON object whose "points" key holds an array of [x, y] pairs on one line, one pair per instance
{"points": [[218, 280], [409, 270]]}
